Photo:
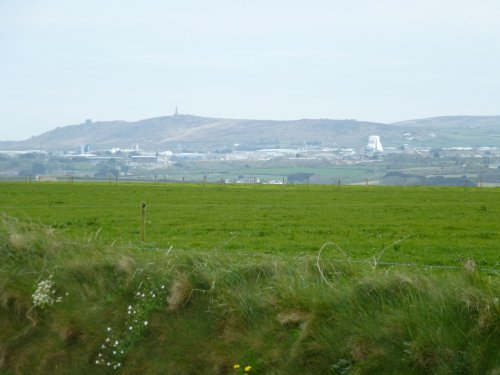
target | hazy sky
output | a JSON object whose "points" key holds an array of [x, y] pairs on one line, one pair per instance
{"points": [[63, 61]]}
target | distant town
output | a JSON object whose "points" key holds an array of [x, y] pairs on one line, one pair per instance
{"points": [[311, 163]]}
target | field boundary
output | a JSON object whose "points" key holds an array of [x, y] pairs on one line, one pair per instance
{"points": [[314, 258]]}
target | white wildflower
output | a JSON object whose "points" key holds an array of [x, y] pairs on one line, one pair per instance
{"points": [[44, 295]]}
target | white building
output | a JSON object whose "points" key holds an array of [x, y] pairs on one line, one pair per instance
{"points": [[374, 144]]}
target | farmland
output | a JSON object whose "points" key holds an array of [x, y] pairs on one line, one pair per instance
{"points": [[248, 279], [427, 225]]}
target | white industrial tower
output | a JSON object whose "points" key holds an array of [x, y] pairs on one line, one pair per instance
{"points": [[374, 144]]}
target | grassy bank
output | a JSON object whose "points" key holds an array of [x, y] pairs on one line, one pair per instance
{"points": [[73, 307]]}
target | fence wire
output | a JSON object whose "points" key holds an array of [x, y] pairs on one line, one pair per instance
{"points": [[312, 257]]}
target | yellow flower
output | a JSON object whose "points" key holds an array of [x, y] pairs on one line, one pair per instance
{"points": [[248, 368], [236, 365]]}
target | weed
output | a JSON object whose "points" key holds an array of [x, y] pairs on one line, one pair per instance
{"points": [[118, 342], [45, 294], [342, 366]]}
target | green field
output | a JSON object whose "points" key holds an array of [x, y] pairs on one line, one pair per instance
{"points": [[231, 280], [214, 171], [424, 225]]}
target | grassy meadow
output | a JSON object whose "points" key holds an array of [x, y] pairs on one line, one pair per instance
{"points": [[424, 225], [248, 279]]}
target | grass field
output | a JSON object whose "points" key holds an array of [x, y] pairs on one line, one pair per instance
{"points": [[231, 280], [424, 225], [324, 172]]}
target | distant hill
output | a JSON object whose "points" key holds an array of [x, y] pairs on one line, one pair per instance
{"points": [[446, 131], [199, 133]]}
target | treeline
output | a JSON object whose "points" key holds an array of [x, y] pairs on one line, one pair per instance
{"points": [[404, 179]]}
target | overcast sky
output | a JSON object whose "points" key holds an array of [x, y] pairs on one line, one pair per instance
{"points": [[63, 61]]}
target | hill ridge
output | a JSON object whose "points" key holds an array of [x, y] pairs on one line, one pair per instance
{"points": [[197, 133]]}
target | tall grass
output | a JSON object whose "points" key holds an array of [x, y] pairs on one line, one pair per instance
{"points": [[178, 312]]}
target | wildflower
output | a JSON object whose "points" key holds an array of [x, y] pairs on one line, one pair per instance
{"points": [[44, 295], [130, 328], [248, 368], [236, 366], [109, 329], [116, 343], [146, 323]]}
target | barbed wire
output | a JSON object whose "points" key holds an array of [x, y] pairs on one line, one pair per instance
{"points": [[239, 205], [312, 257]]}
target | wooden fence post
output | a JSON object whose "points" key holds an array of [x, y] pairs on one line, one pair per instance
{"points": [[143, 221]]}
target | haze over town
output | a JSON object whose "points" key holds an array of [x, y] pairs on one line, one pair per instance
{"points": [[385, 61]]}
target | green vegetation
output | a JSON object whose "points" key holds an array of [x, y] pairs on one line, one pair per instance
{"points": [[181, 312], [273, 279], [441, 226]]}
